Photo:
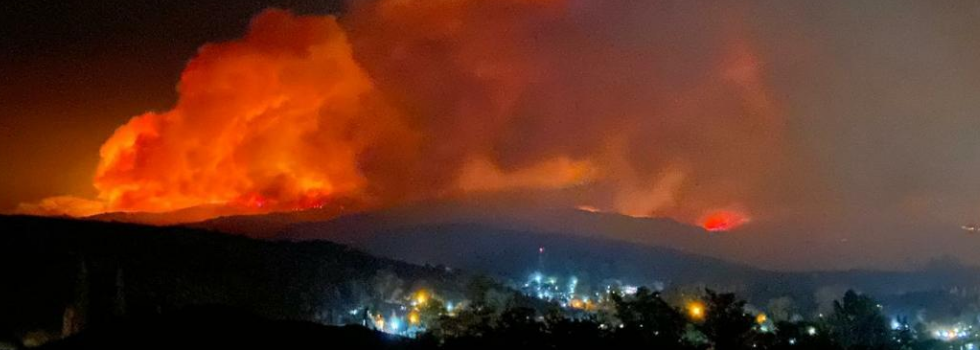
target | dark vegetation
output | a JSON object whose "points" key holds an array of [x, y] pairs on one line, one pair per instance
{"points": [[118, 286], [646, 322], [225, 328], [94, 272]]}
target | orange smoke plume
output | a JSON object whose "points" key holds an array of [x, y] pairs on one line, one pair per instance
{"points": [[274, 121], [399, 100]]}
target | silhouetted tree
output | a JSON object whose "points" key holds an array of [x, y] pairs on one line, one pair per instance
{"points": [[858, 324], [582, 334], [726, 324], [75, 314], [648, 319], [518, 327]]}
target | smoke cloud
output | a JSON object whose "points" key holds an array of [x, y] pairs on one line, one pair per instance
{"points": [[649, 109]]}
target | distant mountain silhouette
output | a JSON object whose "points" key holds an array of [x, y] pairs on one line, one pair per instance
{"points": [[830, 243], [192, 214], [514, 254], [229, 219]]}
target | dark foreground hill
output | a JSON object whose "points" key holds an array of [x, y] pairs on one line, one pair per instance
{"points": [[225, 328], [60, 274]]}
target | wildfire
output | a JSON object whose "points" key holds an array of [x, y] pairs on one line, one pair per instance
{"points": [[723, 220], [404, 100], [588, 208]]}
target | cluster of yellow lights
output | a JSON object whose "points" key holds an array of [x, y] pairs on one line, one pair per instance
{"points": [[414, 318], [761, 318]]}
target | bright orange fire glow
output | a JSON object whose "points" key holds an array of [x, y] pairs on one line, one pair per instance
{"points": [[723, 220], [263, 124], [404, 100]]}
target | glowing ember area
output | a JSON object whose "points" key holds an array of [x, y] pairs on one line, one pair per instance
{"points": [[404, 100], [720, 221]]}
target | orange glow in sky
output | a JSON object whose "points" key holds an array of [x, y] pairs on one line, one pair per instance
{"points": [[309, 111]]}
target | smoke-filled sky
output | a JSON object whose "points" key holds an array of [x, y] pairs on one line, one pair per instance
{"points": [[714, 113]]}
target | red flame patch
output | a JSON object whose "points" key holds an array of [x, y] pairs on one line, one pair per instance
{"points": [[723, 220]]}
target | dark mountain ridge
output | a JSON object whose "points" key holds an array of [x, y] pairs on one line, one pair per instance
{"points": [[514, 254], [61, 272]]}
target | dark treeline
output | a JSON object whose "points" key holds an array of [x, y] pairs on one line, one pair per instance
{"points": [[645, 320], [60, 276], [83, 285]]}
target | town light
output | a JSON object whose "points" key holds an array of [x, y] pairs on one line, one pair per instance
{"points": [[421, 297], [695, 310]]}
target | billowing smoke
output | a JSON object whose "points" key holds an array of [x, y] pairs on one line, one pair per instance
{"points": [[643, 108]]}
